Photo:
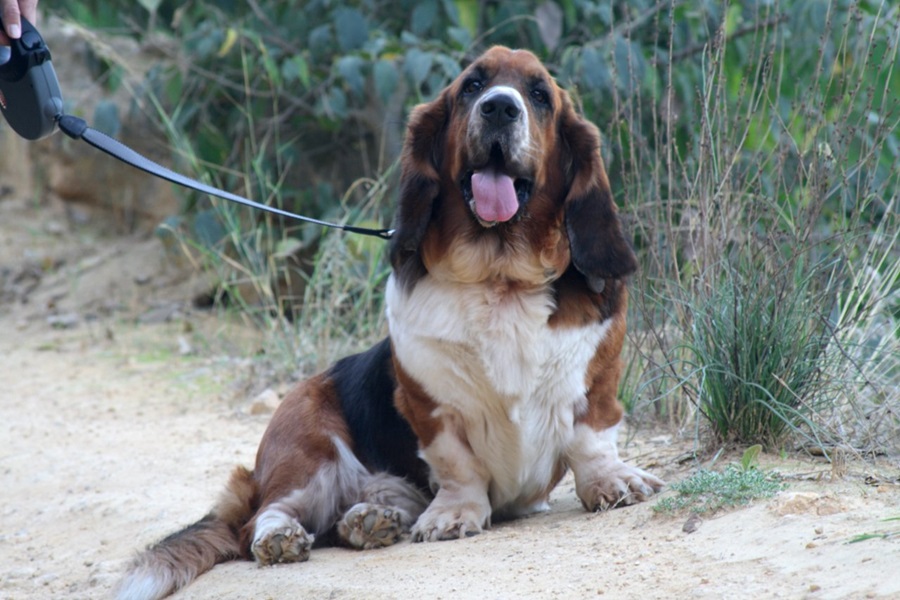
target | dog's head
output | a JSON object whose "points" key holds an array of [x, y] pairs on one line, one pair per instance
{"points": [[502, 170]]}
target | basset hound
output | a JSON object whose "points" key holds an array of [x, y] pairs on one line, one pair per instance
{"points": [[506, 308]]}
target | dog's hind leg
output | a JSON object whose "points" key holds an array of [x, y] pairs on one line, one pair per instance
{"points": [[387, 509], [284, 529], [307, 475]]}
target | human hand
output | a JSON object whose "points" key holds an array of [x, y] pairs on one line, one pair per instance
{"points": [[11, 12]]}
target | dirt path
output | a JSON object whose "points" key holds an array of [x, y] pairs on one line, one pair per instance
{"points": [[112, 438]]}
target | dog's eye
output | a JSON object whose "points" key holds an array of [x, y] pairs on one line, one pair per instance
{"points": [[540, 96], [473, 86]]}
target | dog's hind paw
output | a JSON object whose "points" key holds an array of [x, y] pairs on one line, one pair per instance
{"points": [[366, 526], [282, 545]]}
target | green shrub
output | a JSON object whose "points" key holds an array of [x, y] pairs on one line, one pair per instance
{"points": [[759, 342], [754, 149]]}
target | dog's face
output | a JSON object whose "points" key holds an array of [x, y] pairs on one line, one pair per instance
{"points": [[508, 179], [503, 118]]}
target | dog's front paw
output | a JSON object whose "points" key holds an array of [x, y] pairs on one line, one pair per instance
{"points": [[282, 545], [620, 485], [367, 526], [451, 522]]}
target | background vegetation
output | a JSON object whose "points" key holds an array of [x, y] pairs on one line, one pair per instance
{"points": [[753, 149]]}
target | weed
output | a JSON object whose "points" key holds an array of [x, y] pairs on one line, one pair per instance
{"points": [[770, 242], [709, 491], [881, 535], [758, 342]]}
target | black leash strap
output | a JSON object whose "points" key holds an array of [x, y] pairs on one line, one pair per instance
{"points": [[78, 129], [31, 102]]}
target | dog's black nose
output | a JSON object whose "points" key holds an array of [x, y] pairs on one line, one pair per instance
{"points": [[500, 110]]}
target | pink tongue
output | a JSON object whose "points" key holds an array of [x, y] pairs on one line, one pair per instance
{"points": [[495, 196]]}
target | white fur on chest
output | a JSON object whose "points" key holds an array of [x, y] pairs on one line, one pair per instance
{"points": [[485, 352]]}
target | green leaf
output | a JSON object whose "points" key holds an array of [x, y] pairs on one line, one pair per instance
{"points": [[296, 68], [571, 12], [732, 19], [287, 247], [452, 12], [748, 460], [334, 104], [386, 77], [208, 228], [417, 65], [630, 65], [350, 70], [106, 118], [173, 87], [320, 41], [468, 15], [272, 70], [460, 36], [594, 71], [549, 17], [351, 27], [448, 65], [423, 16]]}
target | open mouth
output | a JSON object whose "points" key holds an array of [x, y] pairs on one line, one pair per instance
{"points": [[493, 194]]}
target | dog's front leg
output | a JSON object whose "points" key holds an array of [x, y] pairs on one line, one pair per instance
{"points": [[461, 507], [602, 479]]}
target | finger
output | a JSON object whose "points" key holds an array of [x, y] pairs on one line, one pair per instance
{"points": [[11, 23], [28, 9]]}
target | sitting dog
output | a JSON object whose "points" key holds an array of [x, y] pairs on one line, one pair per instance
{"points": [[506, 309]]}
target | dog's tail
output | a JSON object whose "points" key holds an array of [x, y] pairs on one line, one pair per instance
{"points": [[180, 558]]}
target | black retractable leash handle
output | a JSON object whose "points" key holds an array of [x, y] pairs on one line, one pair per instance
{"points": [[31, 102]]}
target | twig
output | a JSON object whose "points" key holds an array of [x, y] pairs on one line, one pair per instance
{"points": [[741, 32]]}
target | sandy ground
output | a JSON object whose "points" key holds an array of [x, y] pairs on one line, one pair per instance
{"points": [[121, 417]]}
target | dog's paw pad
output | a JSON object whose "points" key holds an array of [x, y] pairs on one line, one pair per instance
{"points": [[286, 545], [367, 526]]}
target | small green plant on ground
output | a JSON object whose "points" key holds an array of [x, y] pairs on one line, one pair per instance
{"points": [[881, 535], [708, 491]]}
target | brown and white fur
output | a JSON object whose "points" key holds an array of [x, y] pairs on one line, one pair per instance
{"points": [[506, 311]]}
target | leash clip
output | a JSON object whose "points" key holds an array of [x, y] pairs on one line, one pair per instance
{"points": [[30, 98]]}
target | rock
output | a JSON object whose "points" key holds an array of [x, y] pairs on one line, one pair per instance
{"points": [[64, 321], [264, 404], [796, 503], [692, 524], [184, 346]]}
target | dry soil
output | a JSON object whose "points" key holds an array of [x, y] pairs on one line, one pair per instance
{"points": [[122, 411]]}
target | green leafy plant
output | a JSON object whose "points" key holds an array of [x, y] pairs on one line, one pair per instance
{"points": [[708, 491]]}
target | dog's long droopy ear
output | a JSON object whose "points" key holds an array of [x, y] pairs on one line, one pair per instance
{"points": [[599, 248], [419, 186]]}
